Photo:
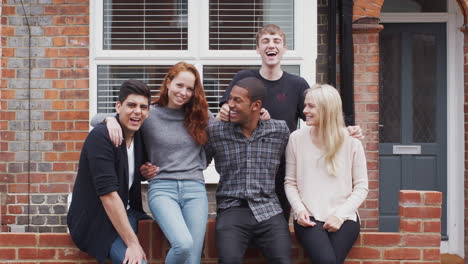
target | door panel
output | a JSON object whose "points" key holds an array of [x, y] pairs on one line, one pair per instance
{"points": [[412, 113]]}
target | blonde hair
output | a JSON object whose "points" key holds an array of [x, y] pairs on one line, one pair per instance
{"points": [[331, 122]]}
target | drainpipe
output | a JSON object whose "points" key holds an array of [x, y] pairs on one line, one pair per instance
{"points": [[347, 60], [332, 42]]}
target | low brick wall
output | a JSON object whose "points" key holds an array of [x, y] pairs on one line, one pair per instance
{"points": [[417, 242]]}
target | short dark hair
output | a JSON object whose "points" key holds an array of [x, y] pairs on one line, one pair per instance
{"points": [[134, 87], [255, 87]]}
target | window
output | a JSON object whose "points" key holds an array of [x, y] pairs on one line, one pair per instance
{"points": [[141, 39]]}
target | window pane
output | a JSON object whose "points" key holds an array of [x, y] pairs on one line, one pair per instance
{"points": [[234, 23], [216, 79], [145, 25], [414, 6], [424, 88], [111, 77], [390, 88]]}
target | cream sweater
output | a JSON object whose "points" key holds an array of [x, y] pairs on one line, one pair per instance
{"points": [[309, 186]]}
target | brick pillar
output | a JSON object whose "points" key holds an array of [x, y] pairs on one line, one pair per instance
{"points": [[366, 96], [420, 227], [58, 100]]}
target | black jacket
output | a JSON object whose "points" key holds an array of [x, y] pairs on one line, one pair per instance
{"points": [[103, 168]]}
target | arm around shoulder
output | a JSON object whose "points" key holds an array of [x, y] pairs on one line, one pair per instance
{"points": [[100, 117]]}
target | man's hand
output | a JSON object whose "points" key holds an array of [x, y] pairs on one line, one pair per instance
{"points": [[332, 224], [148, 170], [303, 218], [117, 214], [115, 131], [355, 132], [134, 254], [223, 114]]}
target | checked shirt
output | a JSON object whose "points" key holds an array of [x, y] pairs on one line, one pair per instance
{"points": [[247, 166]]}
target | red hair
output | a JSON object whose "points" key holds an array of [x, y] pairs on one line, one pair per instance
{"points": [[196, 109]]}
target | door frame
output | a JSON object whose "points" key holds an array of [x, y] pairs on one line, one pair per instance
{"points": [[455, 118]]}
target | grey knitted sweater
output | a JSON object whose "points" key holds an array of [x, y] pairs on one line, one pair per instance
{"points": [[169, 146]]}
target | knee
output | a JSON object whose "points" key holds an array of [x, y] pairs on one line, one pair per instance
{"points": [[183, 247]]}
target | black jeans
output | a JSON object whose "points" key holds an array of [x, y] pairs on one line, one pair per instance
{"points": [[279, 189], [325, 247], [236, 226]]}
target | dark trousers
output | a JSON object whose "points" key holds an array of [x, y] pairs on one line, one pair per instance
{"points": [[279, 189], [236, 227], [325, 247]]}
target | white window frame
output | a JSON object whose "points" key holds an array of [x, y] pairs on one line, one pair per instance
{"points": [[304, 53]]}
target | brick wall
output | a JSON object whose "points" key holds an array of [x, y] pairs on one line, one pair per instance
{"points": [[366, 99], [321, 75], [58, 109], [417, 242]]}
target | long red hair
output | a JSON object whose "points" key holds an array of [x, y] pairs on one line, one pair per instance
{"points": [[196, 109]]}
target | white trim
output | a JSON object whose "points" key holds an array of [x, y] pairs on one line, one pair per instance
{"points": [[307, 44], [94, 9], [455, 134], [455, 118]]}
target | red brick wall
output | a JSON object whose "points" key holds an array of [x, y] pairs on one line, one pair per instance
{"points": [[366, 96], [59, 109], [417, 242]]}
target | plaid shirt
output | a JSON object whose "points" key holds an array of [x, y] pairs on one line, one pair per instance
{"points": [[247, 166]]}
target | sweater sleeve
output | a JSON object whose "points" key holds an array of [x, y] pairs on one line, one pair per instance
{"points": [[99, 118], [291, 178], [359, 182], [101, 158]]}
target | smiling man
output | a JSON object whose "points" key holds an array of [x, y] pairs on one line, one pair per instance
{"points": [[285, 91], [247, 152], [106, 203]]}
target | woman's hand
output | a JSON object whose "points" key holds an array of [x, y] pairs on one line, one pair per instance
{"points": [[303, 218], [148, 170], [264, 114], [332, 224], [115, 131], [355, 132], [223, 114]]}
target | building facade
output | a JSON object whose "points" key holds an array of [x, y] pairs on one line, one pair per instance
{"points": [[62, 61]]}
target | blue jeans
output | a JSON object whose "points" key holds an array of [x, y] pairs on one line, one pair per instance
{"points": [[181, 210], [118, 248]]}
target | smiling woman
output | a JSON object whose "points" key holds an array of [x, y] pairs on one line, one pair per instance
{"points": [[173, 135]]}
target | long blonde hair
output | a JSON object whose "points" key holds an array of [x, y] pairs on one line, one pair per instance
{"points": [[331, 122]]}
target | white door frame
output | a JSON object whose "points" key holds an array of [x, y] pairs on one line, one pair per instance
{"points": [[455, 118]]}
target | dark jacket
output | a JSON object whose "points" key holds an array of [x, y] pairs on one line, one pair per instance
{"points": [[103, 168]]}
